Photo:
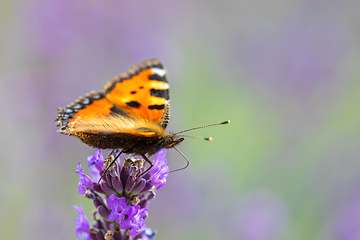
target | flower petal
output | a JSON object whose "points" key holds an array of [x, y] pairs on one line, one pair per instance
{"points": [[84, 180], [82, 224]]}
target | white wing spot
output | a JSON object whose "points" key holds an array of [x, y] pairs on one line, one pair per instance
{"points": [[159, 71]]}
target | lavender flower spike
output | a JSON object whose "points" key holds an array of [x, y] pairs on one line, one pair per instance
{"points": [[121, 211]]}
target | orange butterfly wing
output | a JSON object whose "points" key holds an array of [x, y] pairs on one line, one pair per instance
{"points": [[140, 94]]}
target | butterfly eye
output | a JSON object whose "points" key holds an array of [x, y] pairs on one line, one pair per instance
{"points": [[168, 141]]}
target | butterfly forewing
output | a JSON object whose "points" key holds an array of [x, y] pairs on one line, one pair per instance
{"points": [[143, 92]]}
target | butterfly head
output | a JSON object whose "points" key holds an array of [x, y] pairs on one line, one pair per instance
{"points": [[171, 140]]}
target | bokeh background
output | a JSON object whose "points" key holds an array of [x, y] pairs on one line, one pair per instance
{"points": [[286, 73]]}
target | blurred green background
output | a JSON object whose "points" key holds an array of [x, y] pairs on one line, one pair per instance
{"points": [[286, 73]]}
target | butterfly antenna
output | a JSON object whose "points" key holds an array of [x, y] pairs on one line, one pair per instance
{"points": [[187, 161], [209, 125], [190, 129]]}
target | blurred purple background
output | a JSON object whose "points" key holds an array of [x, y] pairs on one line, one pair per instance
{"points": [[286, 73]]}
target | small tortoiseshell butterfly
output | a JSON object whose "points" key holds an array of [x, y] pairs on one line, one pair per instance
{"points": [[131, 113]]}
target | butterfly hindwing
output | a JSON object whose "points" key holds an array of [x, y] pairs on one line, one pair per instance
{"points": [[118, 124]]}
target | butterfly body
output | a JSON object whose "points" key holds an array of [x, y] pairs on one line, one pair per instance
{"points": [[130, 143], [131, 113]]}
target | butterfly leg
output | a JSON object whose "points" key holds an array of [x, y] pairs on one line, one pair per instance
{"points": [[112, 163], [147, 170]]}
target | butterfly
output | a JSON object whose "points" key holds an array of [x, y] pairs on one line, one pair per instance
{"points": [[131, 113]]}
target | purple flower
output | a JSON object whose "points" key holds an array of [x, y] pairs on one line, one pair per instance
{"points": [[97, 160], [118, 208], [81, 224], [135, 220], [135, 216], [160, 170], [84, 180]]}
